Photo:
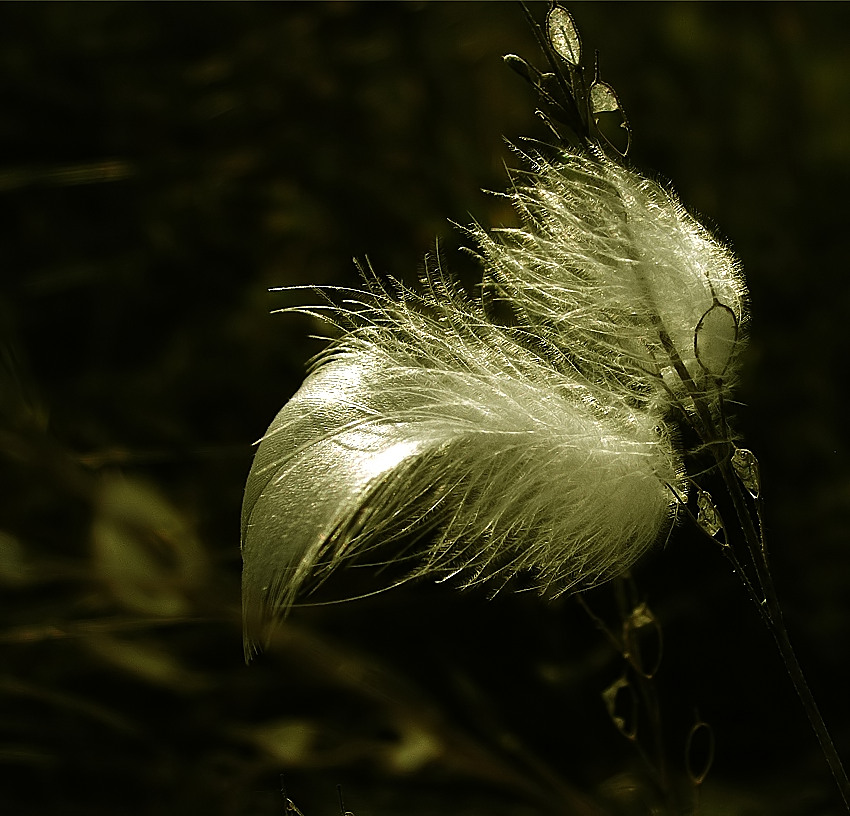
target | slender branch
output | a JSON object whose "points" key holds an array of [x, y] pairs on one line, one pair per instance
{"points": [[776, 625]]}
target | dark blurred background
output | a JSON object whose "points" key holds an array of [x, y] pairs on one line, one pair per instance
{"points": [[161, 167]]}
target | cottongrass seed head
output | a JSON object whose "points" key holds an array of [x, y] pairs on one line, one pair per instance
{"points": [[621, 276], [545, 442], [428, 420]]}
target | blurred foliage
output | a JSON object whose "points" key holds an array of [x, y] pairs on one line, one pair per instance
{"points": [[163, 166]]}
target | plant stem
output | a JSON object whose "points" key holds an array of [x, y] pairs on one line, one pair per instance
{"points": [[776, 625], [769, 606], [795, 672]]}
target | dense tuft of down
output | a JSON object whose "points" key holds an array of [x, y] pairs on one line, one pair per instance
{"points": [[621, 274], [546, 445], [427, 418]]}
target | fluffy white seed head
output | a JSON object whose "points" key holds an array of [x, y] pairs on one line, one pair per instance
{"points": [[638, 294], [427, 418], [544, 446]]}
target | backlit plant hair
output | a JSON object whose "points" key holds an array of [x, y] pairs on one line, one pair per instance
{"points": [[547, 443]]}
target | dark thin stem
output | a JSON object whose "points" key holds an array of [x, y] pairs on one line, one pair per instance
{"points": [[795, 671], [776, 624], [738, 569], [769, 607]]}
